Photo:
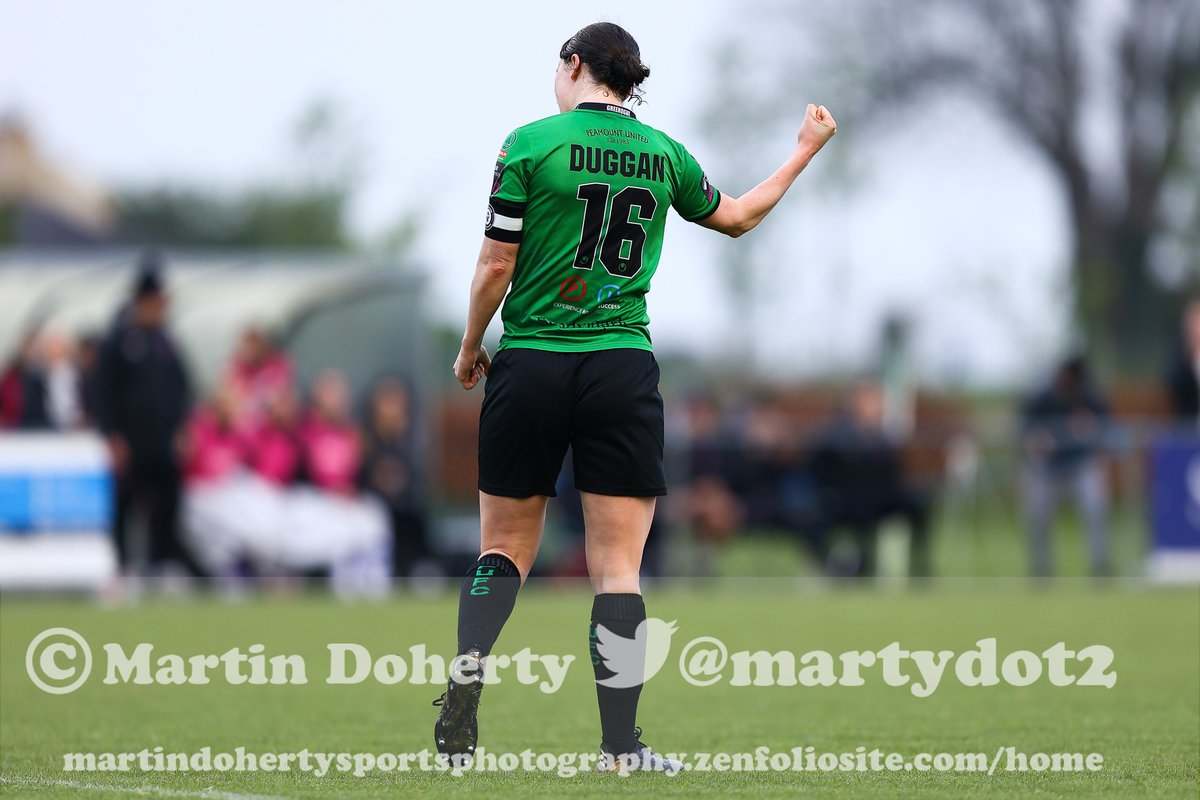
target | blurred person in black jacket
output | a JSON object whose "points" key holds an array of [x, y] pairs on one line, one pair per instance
{"points": [[858, 471], [1063, 427], [1183, 381], [389, 471], [711, 507], [142, 397], [765, 454]]}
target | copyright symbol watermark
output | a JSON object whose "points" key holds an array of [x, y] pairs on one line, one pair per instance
{"points": [[58, 661]]}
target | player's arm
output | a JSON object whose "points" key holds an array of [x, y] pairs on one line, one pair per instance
{"points": [[498, 257], [737, 215], [493, 274]]}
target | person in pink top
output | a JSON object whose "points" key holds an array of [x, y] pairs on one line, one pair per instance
{"points": [[258, 372], [329, 525], [215, 446], [274, 452], [330, 439], [230, 517]]}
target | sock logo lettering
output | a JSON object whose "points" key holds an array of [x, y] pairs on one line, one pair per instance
{"points": [[479, 584], [592, 645]]}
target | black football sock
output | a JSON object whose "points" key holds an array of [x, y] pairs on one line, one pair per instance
{"points": [[620, 614], [488, 595]]}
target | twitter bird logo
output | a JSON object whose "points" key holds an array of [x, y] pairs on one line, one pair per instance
{"points": [[637, 660]]}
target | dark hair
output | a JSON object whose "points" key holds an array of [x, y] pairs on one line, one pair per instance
{"points": [[148, 280], [612, 55], [1075, 369]]}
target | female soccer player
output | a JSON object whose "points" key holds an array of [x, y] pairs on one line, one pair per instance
{"points": [[573, 234]]}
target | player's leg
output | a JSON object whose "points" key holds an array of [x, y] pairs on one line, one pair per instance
{"points": [[1039, 496], [1090, 486], [524, 430], [617, 528], [618, 458], [511, 530], [124, 498]]}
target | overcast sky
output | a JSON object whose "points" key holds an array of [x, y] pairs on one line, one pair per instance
{"points": [[962, 230]]}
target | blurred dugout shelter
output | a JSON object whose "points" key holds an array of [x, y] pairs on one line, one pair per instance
{"points": [[361, 315], [364, 316]]}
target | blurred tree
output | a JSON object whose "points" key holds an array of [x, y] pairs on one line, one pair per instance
{"points": [[186, 217], [1105, 92], [730, 112], [402, 235], [309, 211]]}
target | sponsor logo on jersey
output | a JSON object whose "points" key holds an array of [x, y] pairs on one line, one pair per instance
{"points": [[618, 135], [572, 289], [496, 176], [607, 292], [490, 218], [707, 188]]}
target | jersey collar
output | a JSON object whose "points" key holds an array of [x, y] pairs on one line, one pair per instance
{"points": [[616, 109]]}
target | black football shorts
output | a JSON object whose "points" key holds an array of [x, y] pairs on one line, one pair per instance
{"points": [[604, 404]]}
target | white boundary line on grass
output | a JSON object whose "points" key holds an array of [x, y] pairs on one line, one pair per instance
{"points": [[152, 791]]}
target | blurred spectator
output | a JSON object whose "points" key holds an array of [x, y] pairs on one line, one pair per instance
{"points": [[214, 447], [389, 472], [1063, 428], [330, 526], [1183, 381], [142, 396], [12, 389], [274, 452], [87, 357], [765, 457], [706, 503], [708, 441], [258, 372], [41, 388], [858, 473], [329, 438], [231, 519], [62, 384], [22, 390]]}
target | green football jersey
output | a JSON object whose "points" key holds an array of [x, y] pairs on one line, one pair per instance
{"points": [[586, 194]]}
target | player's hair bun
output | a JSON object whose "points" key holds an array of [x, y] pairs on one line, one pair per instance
{"points": [[612, 55]]}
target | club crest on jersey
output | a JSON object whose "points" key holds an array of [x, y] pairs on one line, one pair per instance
{"points": [[496, 176], [489, 218], [705, 187], [509, 142]]}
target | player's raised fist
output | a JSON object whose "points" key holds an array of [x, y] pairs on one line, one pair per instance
{"points": [[818, 127]]}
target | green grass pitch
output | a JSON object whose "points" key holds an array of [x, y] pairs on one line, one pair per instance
{"points": [[1147, 726]]}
